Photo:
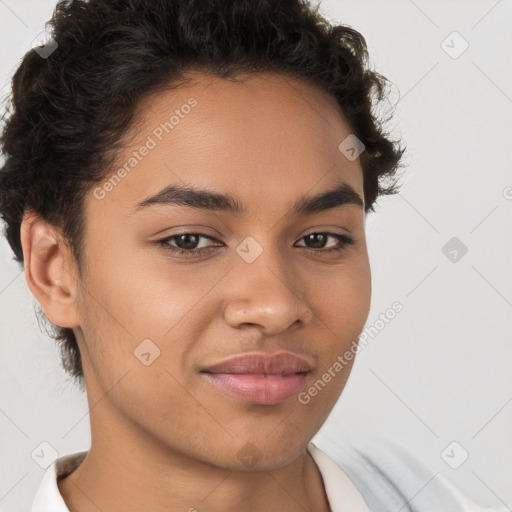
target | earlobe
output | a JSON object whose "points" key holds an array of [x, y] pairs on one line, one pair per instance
{"points": [[48, 270]]}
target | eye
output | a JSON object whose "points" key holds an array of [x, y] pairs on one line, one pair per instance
{"points": [[189, 244], [319, 241], [186, 243]]}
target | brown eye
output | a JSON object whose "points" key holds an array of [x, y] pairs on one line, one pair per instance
{"points": [[318, 241], [186, 243]]}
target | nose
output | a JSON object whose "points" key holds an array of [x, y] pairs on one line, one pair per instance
{"points": [[264, 295]]}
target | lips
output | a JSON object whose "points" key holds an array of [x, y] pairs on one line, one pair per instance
{"points": [[281, 363], [260, 378]]}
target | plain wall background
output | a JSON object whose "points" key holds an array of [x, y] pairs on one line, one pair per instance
{"points": [[440, 370]]}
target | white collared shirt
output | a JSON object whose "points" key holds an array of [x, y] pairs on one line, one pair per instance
{"points": [[388, 481]]}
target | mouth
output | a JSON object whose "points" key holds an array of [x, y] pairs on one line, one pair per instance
{"points": [[260, 378], [259, 389]]}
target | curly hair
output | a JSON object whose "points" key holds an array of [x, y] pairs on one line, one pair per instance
{"points": [[70, 111]]}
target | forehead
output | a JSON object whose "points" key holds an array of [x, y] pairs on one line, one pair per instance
{"points": [[273, 110], [266, 135]]}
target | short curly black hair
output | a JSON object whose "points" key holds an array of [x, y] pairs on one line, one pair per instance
{"points": [[70, 110]]}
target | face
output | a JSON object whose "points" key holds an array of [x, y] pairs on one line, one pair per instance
{"points": [[174, 286]]}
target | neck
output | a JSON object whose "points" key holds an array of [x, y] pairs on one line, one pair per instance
{"points": [[125, 470]]}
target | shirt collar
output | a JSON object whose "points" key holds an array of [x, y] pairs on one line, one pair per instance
{"points": [[48, 497], [341, 492]]}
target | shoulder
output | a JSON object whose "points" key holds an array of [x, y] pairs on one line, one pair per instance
{"points": [[392, 478]]}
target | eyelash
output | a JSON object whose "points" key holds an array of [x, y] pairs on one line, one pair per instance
{"points": [[343, 240]]}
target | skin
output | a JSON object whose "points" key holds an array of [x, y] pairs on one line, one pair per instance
{"points": [[269, 140]]}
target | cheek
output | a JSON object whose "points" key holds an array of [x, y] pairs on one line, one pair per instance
{"points": [[143, 292], [341, 295], [342, 305], [117, 341]]}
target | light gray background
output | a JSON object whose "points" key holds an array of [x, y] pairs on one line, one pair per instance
{"points": [[441, 370]]}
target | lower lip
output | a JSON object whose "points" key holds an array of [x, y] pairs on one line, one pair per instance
{"points": [[267, 390]]}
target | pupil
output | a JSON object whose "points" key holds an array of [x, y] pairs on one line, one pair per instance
{"points": [[316, 237], [187, 244]]}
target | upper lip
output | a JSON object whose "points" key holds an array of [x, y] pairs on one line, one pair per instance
{"points": [[281, 363]]}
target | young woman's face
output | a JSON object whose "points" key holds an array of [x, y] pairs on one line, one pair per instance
{"points": [[154, 316]]}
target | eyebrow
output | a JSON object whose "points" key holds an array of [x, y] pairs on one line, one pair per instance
{"points": [[342, 195]]}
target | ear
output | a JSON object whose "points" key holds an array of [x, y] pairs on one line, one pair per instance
{"points": [[50, 270]]}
